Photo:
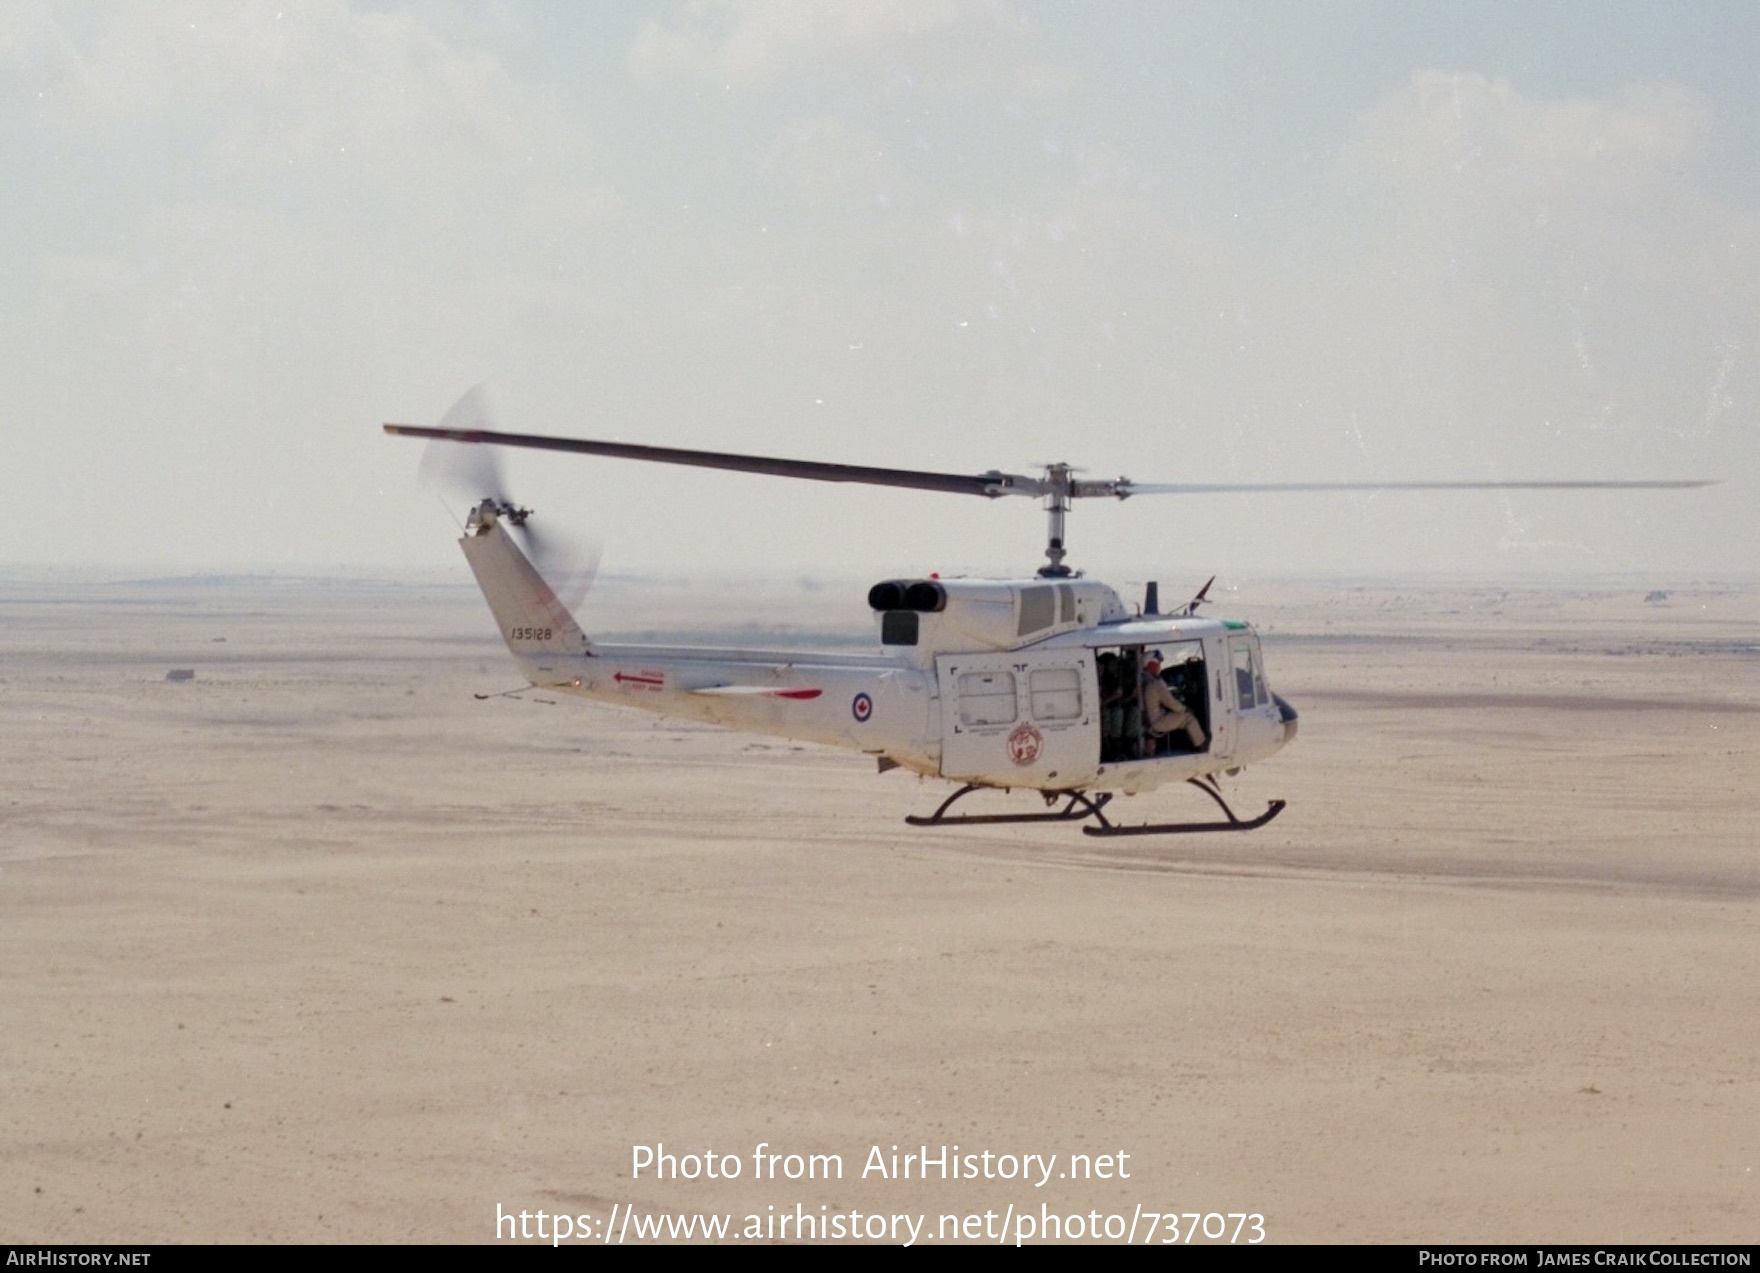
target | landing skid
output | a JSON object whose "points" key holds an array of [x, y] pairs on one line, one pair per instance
{"points": [[1079, 806], [1208, 787]]}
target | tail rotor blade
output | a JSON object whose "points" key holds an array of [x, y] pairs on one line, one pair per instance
{"points": [[459, 468], [462, 460], [568, 566]]}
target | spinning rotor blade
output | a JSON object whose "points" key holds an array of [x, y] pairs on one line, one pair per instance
{"points": [[1058, 479], [466, 472], [568, 565], [474, 473], [990, 484], [1057, 483]]}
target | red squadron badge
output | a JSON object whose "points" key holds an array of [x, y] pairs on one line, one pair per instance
{"points": [[1025, 743]]}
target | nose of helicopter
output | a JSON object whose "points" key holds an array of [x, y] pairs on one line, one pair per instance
{"points": [[1287, 711]]}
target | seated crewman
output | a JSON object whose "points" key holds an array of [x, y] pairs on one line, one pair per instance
{"points": [[1162, 712]]}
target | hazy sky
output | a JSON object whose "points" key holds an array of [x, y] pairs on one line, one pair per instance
{"points": [[1289, 241]]}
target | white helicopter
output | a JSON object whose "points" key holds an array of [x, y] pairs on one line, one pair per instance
{"points": [[1049, 684]]}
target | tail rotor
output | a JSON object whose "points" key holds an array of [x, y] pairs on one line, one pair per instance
{"points": [[468, 467]]}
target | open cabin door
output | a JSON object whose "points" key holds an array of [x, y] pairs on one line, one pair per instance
{"points": [[1020, 719]]}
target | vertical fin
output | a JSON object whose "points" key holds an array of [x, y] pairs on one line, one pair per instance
{"points": [[533, 621]]}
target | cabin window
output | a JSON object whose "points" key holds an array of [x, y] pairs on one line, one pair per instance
{"points": [[1066, 603], [986, 698], [1038, 609], [898, 627], [1056, 693]]}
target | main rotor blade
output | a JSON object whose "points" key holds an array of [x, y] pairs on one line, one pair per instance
{"points": [[1057, 481], [1128, 488], [990, 484]]}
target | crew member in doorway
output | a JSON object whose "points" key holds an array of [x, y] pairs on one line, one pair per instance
{"points": [[1162, 712]]}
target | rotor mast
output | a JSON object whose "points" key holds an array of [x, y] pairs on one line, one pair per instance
{"points": [[1056, 509], [1059, 486]]}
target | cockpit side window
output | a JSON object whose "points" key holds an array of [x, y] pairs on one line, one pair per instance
{"points": [[1246, 674]]}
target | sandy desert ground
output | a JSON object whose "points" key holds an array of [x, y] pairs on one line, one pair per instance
{"points": [[316, 946]]}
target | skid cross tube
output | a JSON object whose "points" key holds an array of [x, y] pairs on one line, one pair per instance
{"points": [[1080, 806]]}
